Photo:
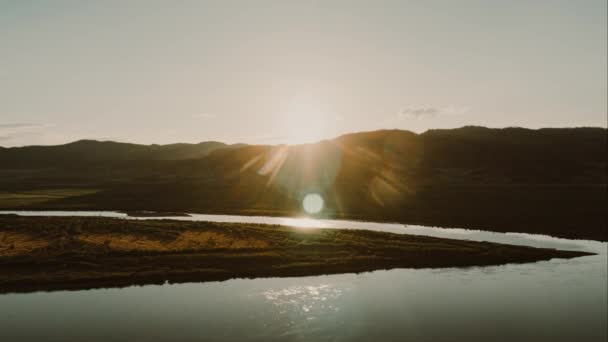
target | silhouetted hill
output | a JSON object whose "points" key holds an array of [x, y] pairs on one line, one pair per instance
{"points": [[83, 151], [522, 155], [514, 179]]}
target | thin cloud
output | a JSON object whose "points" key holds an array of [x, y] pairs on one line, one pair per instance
{"points": [[422, 112], [18, 125], [17, 130], [16, 135]]}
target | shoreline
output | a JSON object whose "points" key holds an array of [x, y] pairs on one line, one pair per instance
{"points": [[71, 253]]}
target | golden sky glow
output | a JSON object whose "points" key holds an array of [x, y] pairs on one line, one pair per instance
{"points": [[294, 71]]}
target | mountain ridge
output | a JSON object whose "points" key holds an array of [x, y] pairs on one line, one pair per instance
{"points": [[429, 131]]}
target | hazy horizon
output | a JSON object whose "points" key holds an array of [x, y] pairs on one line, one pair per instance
{"points": [[274, 72], [289, 143]]}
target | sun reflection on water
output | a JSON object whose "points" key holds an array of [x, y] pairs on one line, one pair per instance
{"points": [[305, 300], [304, 222]]}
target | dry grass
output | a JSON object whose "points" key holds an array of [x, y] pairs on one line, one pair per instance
{"points": [[188, 240], [13, 244]]}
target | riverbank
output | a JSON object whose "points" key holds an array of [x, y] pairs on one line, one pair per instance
{"points": [[58, 253]]}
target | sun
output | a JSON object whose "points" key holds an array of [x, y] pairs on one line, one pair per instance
{"points": [[306, 121]]}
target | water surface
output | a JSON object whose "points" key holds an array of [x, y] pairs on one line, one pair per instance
{"points": [[557, 300]]}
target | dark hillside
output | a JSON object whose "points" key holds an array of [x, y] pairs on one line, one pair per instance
{"points": [[549, 181], [84, 151]]}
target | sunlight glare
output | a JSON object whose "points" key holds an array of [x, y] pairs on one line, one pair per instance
{"points": [[306, 121], [303, 222]]}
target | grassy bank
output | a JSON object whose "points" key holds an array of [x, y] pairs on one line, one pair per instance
{"points": [[52, 253]]}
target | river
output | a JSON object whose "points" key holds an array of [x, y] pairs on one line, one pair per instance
{"points": [[556, 300]]}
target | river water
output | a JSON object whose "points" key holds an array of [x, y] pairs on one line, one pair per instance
{"points": [[556, 300]]}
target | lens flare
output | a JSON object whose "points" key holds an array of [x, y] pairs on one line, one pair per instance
{"points": [[312, 203]]}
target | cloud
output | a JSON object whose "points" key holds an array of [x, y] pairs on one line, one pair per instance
{"points": [[13, 136], [18, 125], [15, 131], [422, 112]]}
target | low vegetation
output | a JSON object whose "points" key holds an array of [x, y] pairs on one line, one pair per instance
{"points": [[50, 253], [21, 199]]}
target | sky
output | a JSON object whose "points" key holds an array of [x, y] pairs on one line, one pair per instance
{"points": [[269, 72]]}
